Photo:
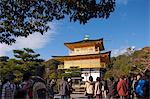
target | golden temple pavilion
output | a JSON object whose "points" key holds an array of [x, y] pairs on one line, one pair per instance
{"points": [[87, 56]]}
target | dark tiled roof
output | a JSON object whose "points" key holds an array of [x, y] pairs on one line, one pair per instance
{"points": [[84, 41]]}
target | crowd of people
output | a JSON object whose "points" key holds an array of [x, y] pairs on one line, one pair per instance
{"points": [[136, 87], [34, 87], [30, 87], [38, 88]]}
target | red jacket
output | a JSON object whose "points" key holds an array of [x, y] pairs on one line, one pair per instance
{"points": [[122, 88]]}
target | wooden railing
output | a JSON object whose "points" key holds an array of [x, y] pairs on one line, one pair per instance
{"points": [[61, 66]]}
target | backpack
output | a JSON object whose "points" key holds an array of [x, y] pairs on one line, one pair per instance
{"points": [[104, 85], [23, 90], [27, 89], [38, 88], [112, 88], [141, 88]]}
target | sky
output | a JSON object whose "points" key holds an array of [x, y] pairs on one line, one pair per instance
{"points": [[127, 26]]}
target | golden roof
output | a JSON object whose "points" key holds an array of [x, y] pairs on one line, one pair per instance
{"points": [[85, 43], [105, 55]]}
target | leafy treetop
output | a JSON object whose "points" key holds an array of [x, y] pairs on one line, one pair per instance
{"points": [[27, 54], [136, 62], [25, 60], [20, 18]]}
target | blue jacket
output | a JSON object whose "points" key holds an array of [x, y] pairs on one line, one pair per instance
{"points": [[139, 88]]}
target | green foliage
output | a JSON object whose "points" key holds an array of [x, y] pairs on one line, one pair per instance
{"points": [[20, 18], [26, 61], [54, 73], [72, 72], [27, 54], [121, 65], [52, 65], [4, 58], [6, 67], [60, 74]]}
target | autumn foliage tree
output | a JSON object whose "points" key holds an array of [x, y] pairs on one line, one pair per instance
{"points": [[141, 60], [138, 62]]}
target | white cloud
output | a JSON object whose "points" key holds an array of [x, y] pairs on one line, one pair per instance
{"points": [[117, 52], [124, 2], [120, 51], [34, 41]]}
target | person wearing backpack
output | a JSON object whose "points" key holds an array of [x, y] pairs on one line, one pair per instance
{"points": [[104, 87], [64, 88], [112, 88], [9, 88], [98, 86], [25, 87], [89, 87], [141, 88], [39, 89], [122, 88], [50, 87]]}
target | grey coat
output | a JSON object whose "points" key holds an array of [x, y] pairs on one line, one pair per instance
{"points": [[64, 88]]}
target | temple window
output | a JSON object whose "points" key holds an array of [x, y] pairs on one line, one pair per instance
{"points": [[96, 48]]}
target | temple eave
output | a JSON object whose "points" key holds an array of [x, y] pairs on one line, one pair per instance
{"points": [[87, 43], [65, 58], [100, 56]]}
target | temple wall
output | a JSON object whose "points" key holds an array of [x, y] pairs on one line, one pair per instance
{"points": [[85, 50], [86, 63], [94, 75]]}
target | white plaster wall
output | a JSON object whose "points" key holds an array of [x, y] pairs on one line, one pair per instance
{"points": [[94, 75]]}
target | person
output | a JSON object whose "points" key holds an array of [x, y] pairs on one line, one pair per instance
{"points": [[39, 89], [89, 86], [24, 92], [51, 85], [70, 83], [112, 88], [64, 88], [122, 88], [97, 91], [0, 88], [104, 87], [70, 87], [128, 84], [133, 87], [9, 88], [142, 88], [147, 86]]}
